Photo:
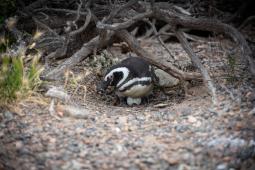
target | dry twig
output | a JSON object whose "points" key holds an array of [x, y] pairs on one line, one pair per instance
{"points": [[198, 64]]}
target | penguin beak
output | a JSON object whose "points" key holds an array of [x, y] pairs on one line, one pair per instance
{"points": [[102, 86]]}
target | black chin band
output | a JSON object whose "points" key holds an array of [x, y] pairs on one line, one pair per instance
{"points": [[143, 83]]}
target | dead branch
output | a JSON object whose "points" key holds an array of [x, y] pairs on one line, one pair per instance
{"points": [[166, 66], [239, 11], [134, 32], [207, 79], [44, 26], [103, 31], [171, 17], [60, 52], [35, 4], [115, 12], [82, 28], [246, 21], [163, 32], [82, 13], [77, 57], [152, 3], [78, 14], [205, 24], [174, 19], [165, 28], [45, 15], [159, 38], [124, 25], [150, 31], [195, 38]]}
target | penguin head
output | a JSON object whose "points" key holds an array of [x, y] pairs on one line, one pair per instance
{"points": [[115, 76]]}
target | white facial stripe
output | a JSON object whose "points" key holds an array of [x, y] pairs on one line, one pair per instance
{"points": [[128, 83], [124, 70]]}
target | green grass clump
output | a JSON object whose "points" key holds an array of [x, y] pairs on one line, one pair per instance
{"points": [[16, 80]]}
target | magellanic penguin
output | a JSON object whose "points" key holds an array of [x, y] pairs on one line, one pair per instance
{"points": [[132, 77]]}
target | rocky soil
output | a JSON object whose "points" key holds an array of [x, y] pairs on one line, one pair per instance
{"points": [[170, 134], [172, 131]]}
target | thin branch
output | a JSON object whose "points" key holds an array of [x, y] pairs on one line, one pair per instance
{"points": [[88, 19], [198, 64], [208, 25], [150, 31], [118, 26], [45, 26], [195, 38], [181, 10], [115, 12], [78, 14], [45, 15], [59, 10], [154, 60], [163, 31], [81, 54], [165, 28], [159, 38], [35, 4], [152, 2], [134, 32], [239, 11], [102, 26], [249, 19], [94, 18]]}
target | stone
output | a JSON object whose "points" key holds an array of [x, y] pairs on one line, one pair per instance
{"points": [[8, 116], [165, 79], [19, 145], [186, 111], [59, 93], [221, 167], [1, 134], [252, 112], [192, 119], [74, 111], [181, 128]]}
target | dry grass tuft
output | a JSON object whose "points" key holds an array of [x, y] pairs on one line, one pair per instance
{"points": [[17, 80]]}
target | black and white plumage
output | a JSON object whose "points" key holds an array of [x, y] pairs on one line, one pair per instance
{"points": [[133, 77]]}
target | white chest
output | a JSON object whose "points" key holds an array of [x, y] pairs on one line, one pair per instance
{"points": [[137, 91]]}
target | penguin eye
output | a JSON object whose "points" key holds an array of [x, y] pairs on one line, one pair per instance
{"points": [[111, 77]]}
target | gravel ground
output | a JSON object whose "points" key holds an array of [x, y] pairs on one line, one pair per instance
{"points": [[182, 135], [171, 132]]}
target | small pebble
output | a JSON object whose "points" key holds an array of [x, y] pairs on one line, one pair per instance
{"points": [[221, 167], [8, 116], [191, 119]]}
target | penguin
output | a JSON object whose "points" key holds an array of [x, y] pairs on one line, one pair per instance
{"points": [[132, 78]]}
